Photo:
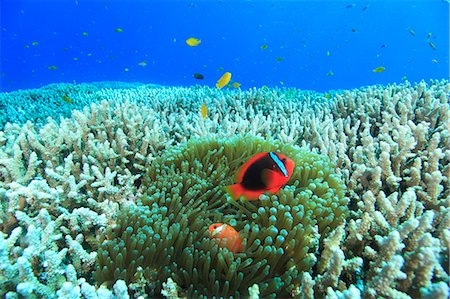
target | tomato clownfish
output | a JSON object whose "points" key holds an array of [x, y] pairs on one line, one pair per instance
{"points": [[226, 236], [267, 171]]}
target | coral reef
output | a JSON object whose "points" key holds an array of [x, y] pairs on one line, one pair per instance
{"points": [[71, 186]]}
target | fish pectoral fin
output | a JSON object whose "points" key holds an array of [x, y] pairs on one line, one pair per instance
{"points": [[267, 177]]}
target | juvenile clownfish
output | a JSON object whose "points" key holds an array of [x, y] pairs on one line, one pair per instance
{"points": [[227, 236], [267, 171]]}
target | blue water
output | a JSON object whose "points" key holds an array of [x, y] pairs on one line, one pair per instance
{"points": [[358, 36]]}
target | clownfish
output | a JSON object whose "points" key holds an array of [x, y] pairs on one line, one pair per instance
{"points": [[227, 236], [267, 171]]}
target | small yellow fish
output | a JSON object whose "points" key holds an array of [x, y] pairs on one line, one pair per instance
{"points": [[433, 46], [52, 67], [34, 44], [84, 33], [330, 73], [118, 29], [67, 99], [193, 42], [411, 31], [236, 84], [264, 47], [204, 111], [224, 80], [379, 69]]}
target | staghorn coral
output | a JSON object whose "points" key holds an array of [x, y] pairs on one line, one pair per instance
{"points": [[185, 193], [390, 144]]}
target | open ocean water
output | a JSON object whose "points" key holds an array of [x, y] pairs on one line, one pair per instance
{"points": [[316, 45]]}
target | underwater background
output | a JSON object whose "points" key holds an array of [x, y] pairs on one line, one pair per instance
{"points": [[127, 129], [317, 45]]}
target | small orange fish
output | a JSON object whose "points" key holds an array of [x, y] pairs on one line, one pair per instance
{"points": [[267, 171], [227, 236], [204, 111]]}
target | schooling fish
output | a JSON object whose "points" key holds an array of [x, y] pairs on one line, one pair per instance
{"points": [[267, 171], [226, 236], [193, 42]]}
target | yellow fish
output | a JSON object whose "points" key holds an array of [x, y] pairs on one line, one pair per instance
{"points": [[67, 99], [236, 84], [379, 69], [224, 80], [204, 111], [192, 41]]}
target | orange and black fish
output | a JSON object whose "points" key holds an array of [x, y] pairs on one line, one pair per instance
{"points": [[198, 76], [267, 171]]}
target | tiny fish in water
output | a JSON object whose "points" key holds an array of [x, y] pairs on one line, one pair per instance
{"points": [[34, 44], [411, 31], [379, 69], [224, 80], [67, 99], [142, 63], [327, 95], [118, 30], [84, 33], [434, 61], [404, 78], [52, 67], [432, 45], [351, 5], [236, 84], [226, 236], [198, 76], [204, 111], [328, 53], [193, 42], [430, 34], [279, 59], [267, 171], [264, 47], [330, 73]]}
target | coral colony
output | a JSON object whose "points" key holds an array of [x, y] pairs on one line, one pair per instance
{"points": [[111, 190]]}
